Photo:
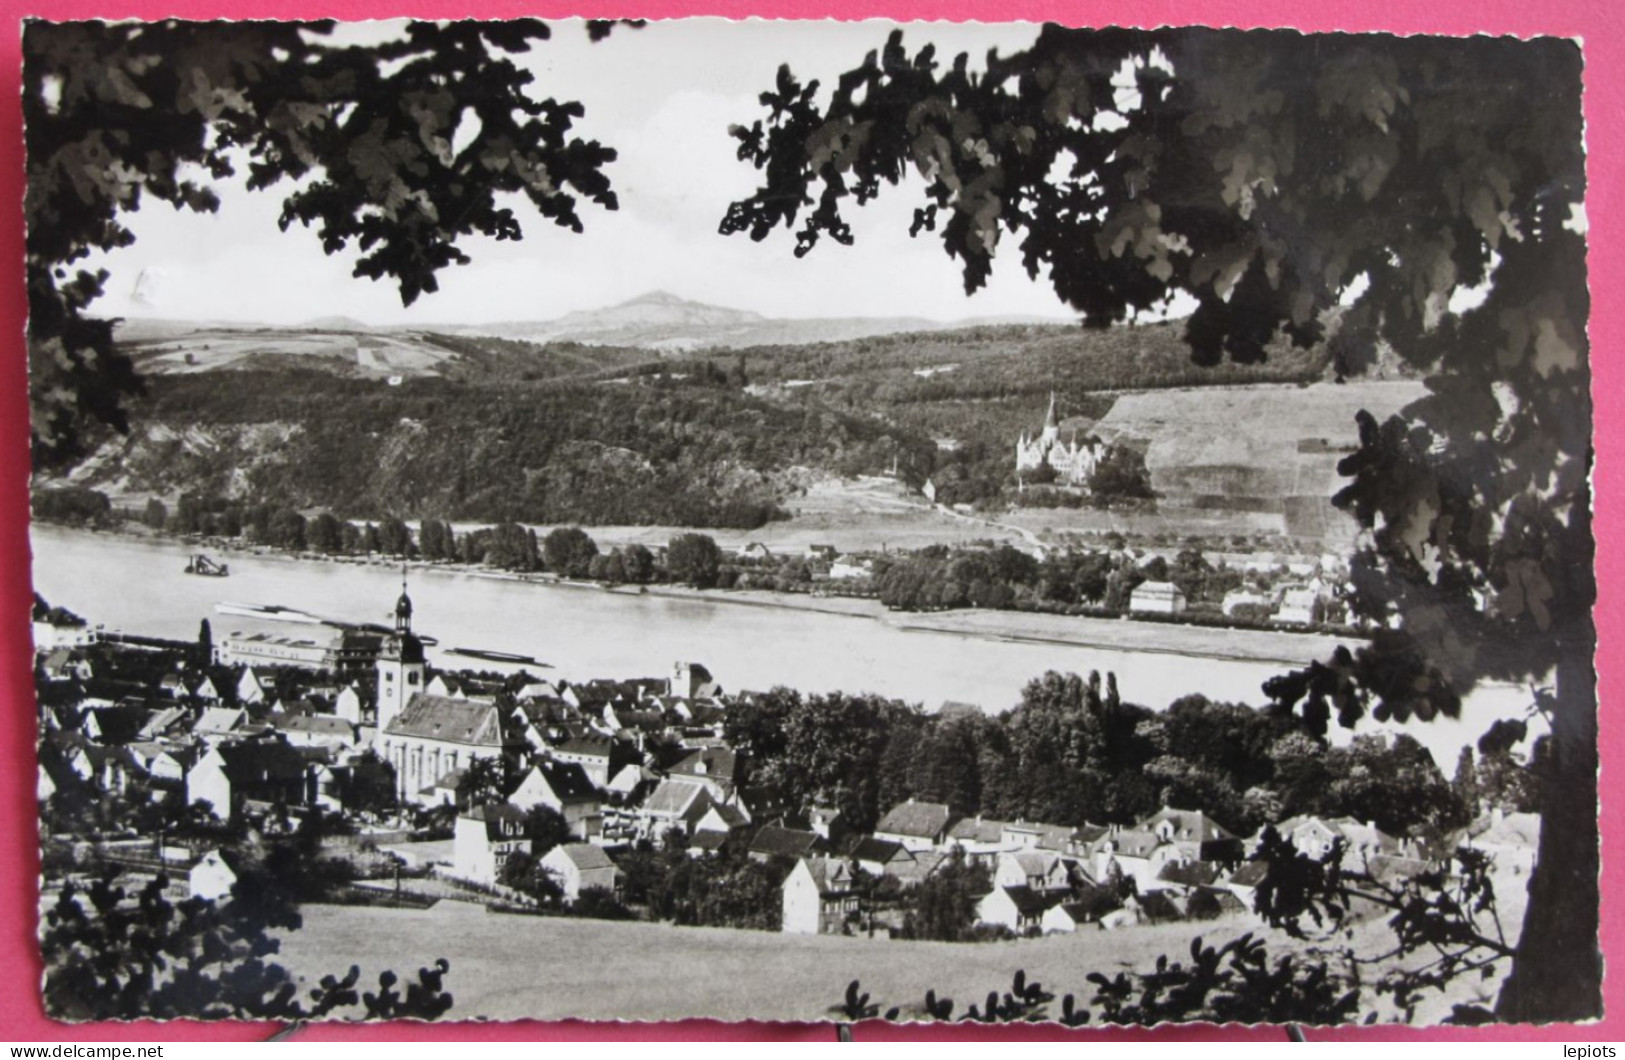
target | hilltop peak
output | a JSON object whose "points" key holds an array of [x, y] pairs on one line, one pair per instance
{"points": [[656, 298]]}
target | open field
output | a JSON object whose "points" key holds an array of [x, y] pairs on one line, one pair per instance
{"points": [[213, 348], [855, 515], [513, 967]]}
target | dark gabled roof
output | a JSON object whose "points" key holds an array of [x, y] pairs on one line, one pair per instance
{"points": [[923, 819], [1029, 902], [501, 820], [977, 830], [1079, 912], [548, 710], [1090, 833], [783, 842], [100, 755], [1132, 842], [119, 725], [710, 842], [295, 707], [645, 720], [602, 691], [1190, 874], [762, 800], [585, 745], [1189, 825], [316, 755], [568, 780], [825, 870], [881, 851], [450, 720], [701, 713], [1250, 874], [315, 724], [719, 762], [262, 761]]}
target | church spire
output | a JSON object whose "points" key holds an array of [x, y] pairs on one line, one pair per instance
{"points": [[403, 607], [1051, 423]]}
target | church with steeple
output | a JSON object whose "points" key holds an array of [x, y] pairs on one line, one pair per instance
{"points": [[429, 739], [1072, 461]]}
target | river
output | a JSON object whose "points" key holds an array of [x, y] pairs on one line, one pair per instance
{"points": [[137, 585]]}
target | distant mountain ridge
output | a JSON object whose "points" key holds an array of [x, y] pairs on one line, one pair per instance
{"points": [[658, 321]]}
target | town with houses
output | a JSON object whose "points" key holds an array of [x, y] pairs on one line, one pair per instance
{"points": [[439, 777]]}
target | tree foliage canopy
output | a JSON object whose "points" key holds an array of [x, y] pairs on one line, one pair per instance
{"points": [[400, 150], [1368, 192]]}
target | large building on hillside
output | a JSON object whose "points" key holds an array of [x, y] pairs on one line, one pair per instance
{"points": [[1073, 461]]}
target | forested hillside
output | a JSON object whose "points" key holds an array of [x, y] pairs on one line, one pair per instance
{"points": [[495, 429], [662, 452]]}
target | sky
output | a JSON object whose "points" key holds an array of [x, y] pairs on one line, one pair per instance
{"points": [[664, 97]]}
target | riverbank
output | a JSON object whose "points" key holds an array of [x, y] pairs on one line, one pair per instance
{"points": [[1282, 647], [749, 639]]}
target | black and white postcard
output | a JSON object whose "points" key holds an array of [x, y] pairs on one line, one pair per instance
{"points": [[810, 521]]}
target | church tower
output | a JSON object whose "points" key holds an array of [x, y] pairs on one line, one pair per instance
{"points": [[1052, 425], [401, 667]]}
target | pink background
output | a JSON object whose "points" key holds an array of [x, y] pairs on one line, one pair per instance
{"points": [[1594, 22]]}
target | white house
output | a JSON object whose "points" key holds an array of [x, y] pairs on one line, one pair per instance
{"points": [[249, 688], [214, 875], [263, 772], [817, 897], [1038, 870], [347, 705], [1238, 598], [1017, 908], [1298, 607], [590, 753], [579, 866], [563, 787], [49, 635], [847, 568], [1162, 598], [1065, 918], [485, 837]]}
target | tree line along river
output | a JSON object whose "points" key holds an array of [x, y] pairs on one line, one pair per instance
{"points": [[138, 585]]}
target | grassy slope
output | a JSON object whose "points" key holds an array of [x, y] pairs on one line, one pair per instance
{"points": [[505, 967]]}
